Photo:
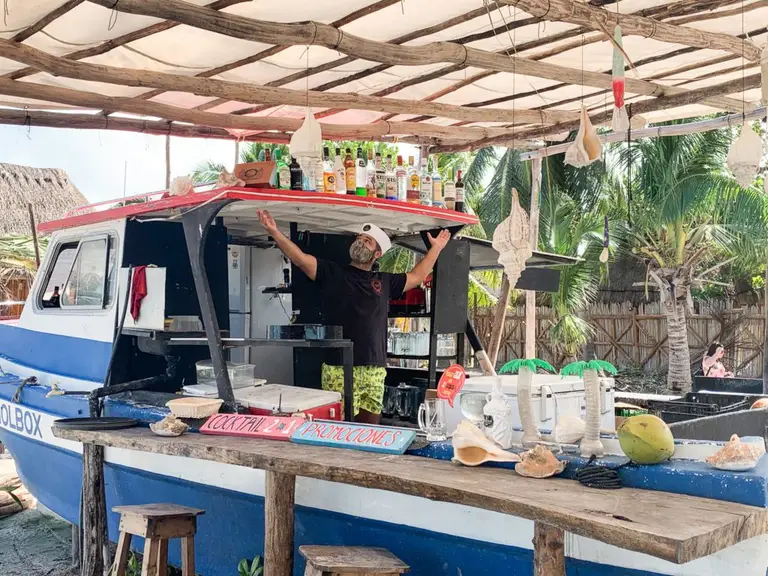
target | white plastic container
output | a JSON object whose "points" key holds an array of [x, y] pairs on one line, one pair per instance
{"points": [[240, 375], [551, 396], [185, 324]]}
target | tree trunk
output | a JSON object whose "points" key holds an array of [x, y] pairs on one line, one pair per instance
{"points": [[499, 320], [679, 375], [765, 336]]}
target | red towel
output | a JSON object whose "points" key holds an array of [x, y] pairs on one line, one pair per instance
{"points": [[138, 290]]}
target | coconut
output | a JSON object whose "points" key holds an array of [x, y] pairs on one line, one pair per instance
{"points": [[646, 439]]}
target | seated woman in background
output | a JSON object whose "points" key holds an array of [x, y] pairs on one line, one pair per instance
{"points": [[711, 364]]}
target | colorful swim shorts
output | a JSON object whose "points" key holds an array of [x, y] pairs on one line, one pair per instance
{"points": [[368, 383]]}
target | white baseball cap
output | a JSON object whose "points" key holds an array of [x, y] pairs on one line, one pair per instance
{"points": [[377, 234]]}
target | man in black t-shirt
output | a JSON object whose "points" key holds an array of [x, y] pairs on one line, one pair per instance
{"points": [[358, 300]]}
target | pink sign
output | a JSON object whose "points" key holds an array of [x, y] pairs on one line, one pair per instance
{"points": [[250, 426], [451, 382]]}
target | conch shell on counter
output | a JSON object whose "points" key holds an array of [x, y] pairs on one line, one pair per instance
{"points": [[739, 454], [169, 426], [539, 462], [226, 178], [181, 186], [569, 429], [587, 146], [472, 448]]}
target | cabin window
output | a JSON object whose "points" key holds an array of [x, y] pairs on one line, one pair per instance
{"points": [[82, 275]]}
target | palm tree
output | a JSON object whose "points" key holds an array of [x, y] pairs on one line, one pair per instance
{"points": [[208, 171], [689, 218]]}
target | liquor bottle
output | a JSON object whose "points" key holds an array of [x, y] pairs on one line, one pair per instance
{"points": [[283, 172], [340, 173], [361, 174], [380, 177], [459, 194], [329, 178], [296, 176], [402, 180], [349, 170], [449, 192], [262, 155], [437, 186], [391, 180], [267, 155], [370, 171], [425, 197], [414, 188]]}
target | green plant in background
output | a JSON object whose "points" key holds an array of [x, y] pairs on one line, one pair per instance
{"points": [[382, 148], [255, 568], [17, 261], [8, 489], [134, 566]]}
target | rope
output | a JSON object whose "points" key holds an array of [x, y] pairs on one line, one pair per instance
{"points": [[594, 476], [32, 380]]}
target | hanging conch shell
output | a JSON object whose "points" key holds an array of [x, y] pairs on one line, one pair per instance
{"points": [[539, 463], [569, 430], [764, 75], [226, 178], [512, 240], [744, 156], [472, 448], [307, 145], [181, 185], [587, 146], [738, 455]]}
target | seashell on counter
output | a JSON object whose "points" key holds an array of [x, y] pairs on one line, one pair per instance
{"points": [[539, 462], [169, 426], [739, 454], [472, 448], [569, 429]]}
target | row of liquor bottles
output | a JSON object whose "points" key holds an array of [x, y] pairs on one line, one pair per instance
{"points": [[375, 178]]}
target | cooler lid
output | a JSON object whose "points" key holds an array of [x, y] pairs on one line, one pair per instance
{"points": [[556, 383], [286, 398]]}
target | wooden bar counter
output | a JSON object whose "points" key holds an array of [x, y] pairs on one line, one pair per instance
{"points": [[673, 527]]}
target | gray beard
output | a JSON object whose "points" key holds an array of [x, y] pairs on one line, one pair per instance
{"points": [[361, 254]]}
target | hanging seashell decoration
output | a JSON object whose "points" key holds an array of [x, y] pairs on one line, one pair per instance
{"points": [[587, 146], [472, 448], [307, 147], [539, 462], [619, 119], [744, 156], [512, 240]]}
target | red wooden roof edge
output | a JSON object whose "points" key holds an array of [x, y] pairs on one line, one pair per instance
{"points": [[91, 214]]}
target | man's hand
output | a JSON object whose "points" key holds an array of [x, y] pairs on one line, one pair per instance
{"points": [[267, 221], [442, 239]]}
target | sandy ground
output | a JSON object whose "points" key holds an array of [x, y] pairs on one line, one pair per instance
{"points": [[32, 544]]}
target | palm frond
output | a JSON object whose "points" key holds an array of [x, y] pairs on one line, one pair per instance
{"points": [[574, 369], [601, 365]]}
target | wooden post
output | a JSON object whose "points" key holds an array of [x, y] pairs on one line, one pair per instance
{"points": [[530, 295], [278, 524], [94, 520], [548, 550], [499, 319], [168, 162], [33, 228]]}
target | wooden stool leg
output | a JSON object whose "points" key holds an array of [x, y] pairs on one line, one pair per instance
{"points": [[548, 550], [121, 556], [162, 558], [149, 564], [280, 491], [188, 556]]}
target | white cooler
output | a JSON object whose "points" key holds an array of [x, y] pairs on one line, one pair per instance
{"points": [[552, 397]]}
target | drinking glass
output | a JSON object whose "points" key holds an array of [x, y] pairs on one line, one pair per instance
{"points": [[472, 404], [432, 419]]}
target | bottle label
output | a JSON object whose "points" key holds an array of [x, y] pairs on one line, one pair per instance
{"points": [[341, 181], [414, 180], [391, 188], [459, 193], [329, 182], [284, 177], [426, 192], [351, 178], [380, 184]]}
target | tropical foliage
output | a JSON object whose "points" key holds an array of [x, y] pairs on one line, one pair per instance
{"points": [[578, 368], [17, 262], [514, 366]]}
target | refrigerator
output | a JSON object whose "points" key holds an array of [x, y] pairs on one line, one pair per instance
{"points": [[239, 269]]}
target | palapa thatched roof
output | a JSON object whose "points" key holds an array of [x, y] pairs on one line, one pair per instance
{"points": [[49, 190]]}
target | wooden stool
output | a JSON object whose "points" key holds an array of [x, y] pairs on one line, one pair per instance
{"points": [[156, 523], [348, 560]]}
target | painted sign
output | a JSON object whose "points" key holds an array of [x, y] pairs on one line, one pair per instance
{"points": [[356, 436], [451, 382], [20, 420], [250, 426]]}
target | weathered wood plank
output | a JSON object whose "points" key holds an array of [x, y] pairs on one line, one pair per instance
{"points": [[678, 529], [280, 493], [94, 511], [548, 550]]}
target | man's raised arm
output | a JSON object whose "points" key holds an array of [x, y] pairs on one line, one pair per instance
{"points": [[305, 262]]}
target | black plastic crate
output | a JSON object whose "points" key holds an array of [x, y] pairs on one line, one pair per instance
{"points": [[698, 405]]}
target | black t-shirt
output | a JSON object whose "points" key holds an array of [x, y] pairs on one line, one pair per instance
{"points": [[358, 301]]}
